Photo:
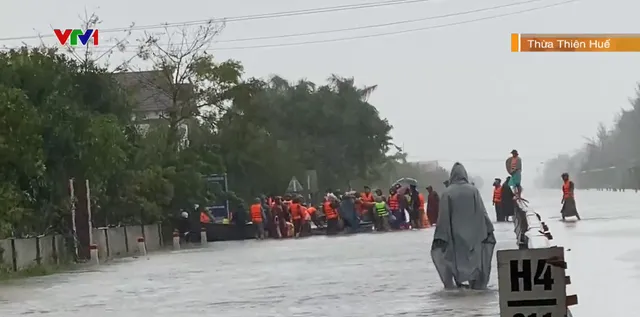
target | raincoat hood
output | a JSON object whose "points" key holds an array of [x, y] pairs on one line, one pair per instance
{"points": [[458, 174]]}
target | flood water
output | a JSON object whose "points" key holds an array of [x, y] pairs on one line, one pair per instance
{"points": [[368, 275]]}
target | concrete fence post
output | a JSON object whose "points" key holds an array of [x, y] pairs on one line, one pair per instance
{"points": [[39, 250], [126, 239], [14, 255], [106, 241]]}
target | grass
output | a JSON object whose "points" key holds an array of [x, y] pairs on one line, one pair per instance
{"points": [[7, 273]]}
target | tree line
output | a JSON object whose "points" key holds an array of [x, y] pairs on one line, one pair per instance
{"points": [[65, 116], [610, 160]]}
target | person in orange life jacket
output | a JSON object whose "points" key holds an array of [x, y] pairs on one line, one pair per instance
{"points": [[424, 220], [568, 202], [205, 218], [367, 201], [257, 218], [394, 207], [306, 221], [330, 210], [433, 203], [313, 214], [497, 200], [514, 168], [295, 209]]}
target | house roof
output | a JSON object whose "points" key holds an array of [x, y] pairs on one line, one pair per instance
{"points": [[150, 89]]}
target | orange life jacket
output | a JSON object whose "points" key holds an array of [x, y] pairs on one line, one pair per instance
{"points": [[256, 213], [367, 197], [421, 200], [497, 194], [296, 211], [204, 218], [566, 190], [305, 213], [311, 210], [393, 202], [329, 211]]}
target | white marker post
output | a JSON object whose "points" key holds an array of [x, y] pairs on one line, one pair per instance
{"points": [[176, 240], [142, 247], [203, 236], [532, 282], [93, 252]]}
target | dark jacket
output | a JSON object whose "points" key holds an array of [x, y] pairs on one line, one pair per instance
{"points": [[506, 201]]}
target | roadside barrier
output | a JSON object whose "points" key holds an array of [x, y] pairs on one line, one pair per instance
{"points": [[531, 279]]}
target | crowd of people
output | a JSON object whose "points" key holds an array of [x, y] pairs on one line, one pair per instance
{"points": [[403, 208]]}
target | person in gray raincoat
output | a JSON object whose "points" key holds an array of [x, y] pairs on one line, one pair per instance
{"points": [[463, 241]]}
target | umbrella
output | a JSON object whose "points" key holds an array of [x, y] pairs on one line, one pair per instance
{"points": [[405, 182]]}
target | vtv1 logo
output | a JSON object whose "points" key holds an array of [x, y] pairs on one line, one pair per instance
{"points": [[71, 36]]}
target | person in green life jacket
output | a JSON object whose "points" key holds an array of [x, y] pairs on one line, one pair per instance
{"points": [[382, 211]]}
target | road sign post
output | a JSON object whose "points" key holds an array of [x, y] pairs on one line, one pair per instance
{"points": [[532, 282]]}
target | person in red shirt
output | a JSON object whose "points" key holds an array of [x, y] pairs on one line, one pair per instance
{"points": [[433, 203]]}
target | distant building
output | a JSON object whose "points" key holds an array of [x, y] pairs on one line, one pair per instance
{"points": [[152, 93]]}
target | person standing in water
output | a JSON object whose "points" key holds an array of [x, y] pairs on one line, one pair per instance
{"points": [[514, 168], [433, 200], [382, 210], [497, 200], [507, 205], [569, 208], [463, 242]]}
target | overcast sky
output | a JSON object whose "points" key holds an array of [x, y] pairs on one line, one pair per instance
{"points": [[451, 93]]}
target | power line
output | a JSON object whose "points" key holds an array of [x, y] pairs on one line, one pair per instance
{"points": [[262, 16], [344, 39], [440, 26], [371, 26]]}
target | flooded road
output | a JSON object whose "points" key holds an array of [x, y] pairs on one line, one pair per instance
{"points": [[364, 275]]}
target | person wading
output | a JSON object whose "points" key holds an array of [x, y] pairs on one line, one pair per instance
{"points": [[463, 241], [507, 205], [497, 199], [569, 208], [257, 218], [295, 209], [279, 221], [415, 206], [366, 203], [329, 208], [433, 202], [394, 206], [382, 210]]}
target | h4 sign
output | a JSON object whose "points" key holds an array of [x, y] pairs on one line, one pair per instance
{"points": [[71, 36]]}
